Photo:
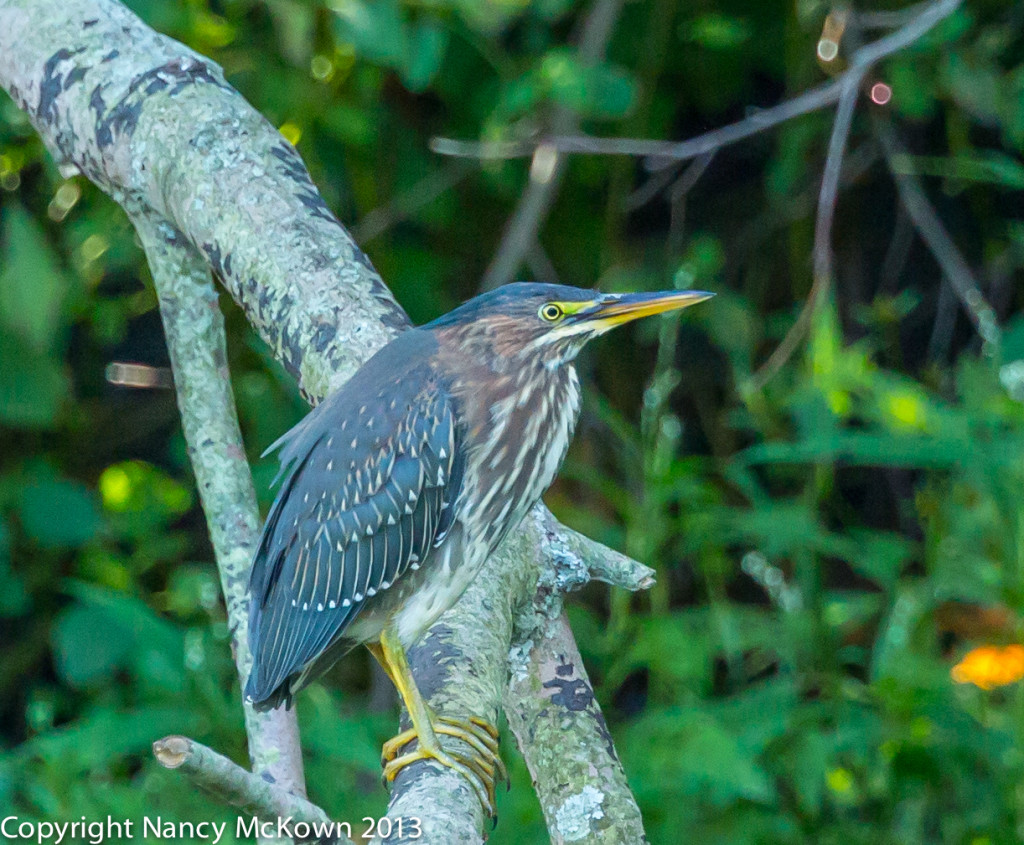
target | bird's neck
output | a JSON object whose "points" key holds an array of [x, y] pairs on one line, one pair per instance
{"points": [[518, 423]]}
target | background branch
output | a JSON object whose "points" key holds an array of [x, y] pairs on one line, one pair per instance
{"points": [[823, 269], [952, 264], [662, 154], [548, 165]]}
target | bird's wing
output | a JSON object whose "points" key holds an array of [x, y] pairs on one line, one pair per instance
{"points": [[371, 486]]}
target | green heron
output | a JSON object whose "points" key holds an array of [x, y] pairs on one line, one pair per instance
{"points": [[399, 485]]}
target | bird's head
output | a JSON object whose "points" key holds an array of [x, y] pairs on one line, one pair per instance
{"points": [[552, 322]]}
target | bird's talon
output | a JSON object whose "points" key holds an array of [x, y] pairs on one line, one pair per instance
{"points": [[481, 767], [390, 750], [487, 726]]}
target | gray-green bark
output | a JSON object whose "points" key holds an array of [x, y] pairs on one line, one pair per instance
{"points": [[224, 779], [196, 343], [155, 126]]}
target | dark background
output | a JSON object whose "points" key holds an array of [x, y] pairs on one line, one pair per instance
{"points": [[829, 544]]}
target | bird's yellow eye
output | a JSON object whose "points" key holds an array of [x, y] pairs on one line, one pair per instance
{"points": [[551, 312]]}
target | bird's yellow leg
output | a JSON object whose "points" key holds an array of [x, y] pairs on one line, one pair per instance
{"points": [[378, 652], [479, 767]]}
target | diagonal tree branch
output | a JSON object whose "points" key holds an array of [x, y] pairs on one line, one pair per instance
{"points": [[155, 125], [223, 778], [194, 329], [952, 264]]}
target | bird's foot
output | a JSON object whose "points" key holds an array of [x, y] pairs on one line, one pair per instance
{"points": [[482, 767]]}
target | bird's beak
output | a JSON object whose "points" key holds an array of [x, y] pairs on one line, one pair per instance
{"points": [[616, 309]]}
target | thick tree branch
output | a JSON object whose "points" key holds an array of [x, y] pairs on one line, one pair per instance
{"points": [[156, 126], [550, 702]]}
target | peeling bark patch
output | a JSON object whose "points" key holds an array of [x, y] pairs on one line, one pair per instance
{"points": [[362, 258], [53, 83], [393, 317], [90, 23], [113, 54], [96, 101], [572, 695], [577, 811], [122, 118], [293, 168]]}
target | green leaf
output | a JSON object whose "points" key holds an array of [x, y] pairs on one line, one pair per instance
{"points": [[32, 284], [376, 30], [13, 598], [58, 513], [89, 644], [717, 32], [33, 385], [103, 735], [691, 753], [427, 44], [141, 497], [986, 166], [598, 91]]}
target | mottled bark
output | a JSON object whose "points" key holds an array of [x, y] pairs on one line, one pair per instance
{"points": [[194, 328], [155, 126], [222, 778]]}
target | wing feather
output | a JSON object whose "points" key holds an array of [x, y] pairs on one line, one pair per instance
{"points": [[357, 507]]}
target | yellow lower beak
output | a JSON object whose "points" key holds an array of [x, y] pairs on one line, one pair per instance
{"points": [[616, 309]]}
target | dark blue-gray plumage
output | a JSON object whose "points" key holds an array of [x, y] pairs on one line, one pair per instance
{"points": [[398, 486]]}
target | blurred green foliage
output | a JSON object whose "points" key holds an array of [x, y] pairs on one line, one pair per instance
{"points": [[828, 546]]}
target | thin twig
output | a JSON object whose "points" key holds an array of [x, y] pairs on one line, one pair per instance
{"points": [[377, 221], [822, 233], [540, 264], [953, 265], [577, 560], [945, 323], [232, 784], [662, 154], [654, 185], [548, 165], [886, 19], [669, 151], [897, 253], [677, 194]]}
